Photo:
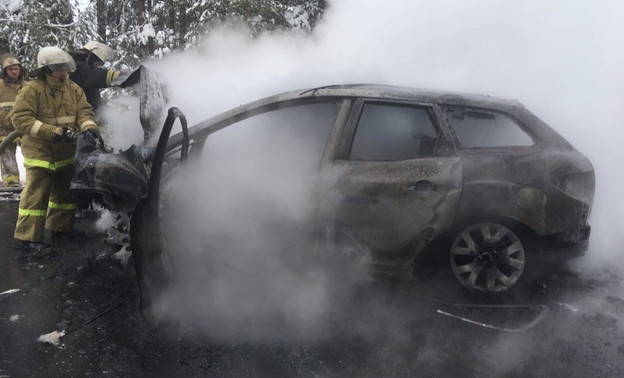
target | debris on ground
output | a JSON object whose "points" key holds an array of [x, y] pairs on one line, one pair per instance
{"points": [[10, 291], [526, 316], [123, 255], [51, 338]]}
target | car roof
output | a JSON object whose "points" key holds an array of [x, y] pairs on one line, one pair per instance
{"points": [[376, 92], [372, 91], [406, 93]]}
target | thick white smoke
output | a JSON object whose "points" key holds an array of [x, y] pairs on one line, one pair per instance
{"points": [[563, 59]]}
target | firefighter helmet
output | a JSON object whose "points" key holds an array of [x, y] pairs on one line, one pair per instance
{"points": [[101, 50], [8, 60], [53, 58]]}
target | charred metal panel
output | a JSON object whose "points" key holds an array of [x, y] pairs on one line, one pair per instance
{"points": [[152, 96], [121, 178], [153, 100], [389, 204], [520, 184], [152, 266]]}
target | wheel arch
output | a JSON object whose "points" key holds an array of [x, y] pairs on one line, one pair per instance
{"points": [[521, 229]]}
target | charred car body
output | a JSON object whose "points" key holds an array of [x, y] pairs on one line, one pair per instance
{"points": [[482, 177]]}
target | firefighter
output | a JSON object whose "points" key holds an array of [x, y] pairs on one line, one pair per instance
{"points": [[49, 111], [89, 74], [12, 81]]}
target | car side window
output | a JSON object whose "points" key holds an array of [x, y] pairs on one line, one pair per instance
{"points": [[477, 128], [390, 132], [284, 140]]}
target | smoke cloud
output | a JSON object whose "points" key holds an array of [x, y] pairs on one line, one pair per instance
{"points": [[562, 59]]}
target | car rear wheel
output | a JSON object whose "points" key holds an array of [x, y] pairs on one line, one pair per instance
{"points": [[487, 257]]}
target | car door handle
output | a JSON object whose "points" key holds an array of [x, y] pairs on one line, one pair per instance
{"points": [[422, 186]]}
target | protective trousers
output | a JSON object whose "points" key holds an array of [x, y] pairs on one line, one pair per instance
{"points": [[38, 210], [8, 164]]}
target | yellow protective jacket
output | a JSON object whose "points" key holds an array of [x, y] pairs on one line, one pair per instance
{"points": [[42, 105], [8, 92]]}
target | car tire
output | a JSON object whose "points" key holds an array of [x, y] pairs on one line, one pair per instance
{"points": [[488, 257]]}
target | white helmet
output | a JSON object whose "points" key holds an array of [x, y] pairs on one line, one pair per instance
{"points": [[55, 58], [101, 50]]}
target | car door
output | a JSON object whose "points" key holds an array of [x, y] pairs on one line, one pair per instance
{"points": [[397, 177]]}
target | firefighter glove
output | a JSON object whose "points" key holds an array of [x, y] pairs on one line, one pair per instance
{"points": [[93, 134], [97, 139], [63, 134]]}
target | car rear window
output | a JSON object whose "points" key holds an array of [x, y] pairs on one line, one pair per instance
{"points": [[477, 128], [394, 132]]}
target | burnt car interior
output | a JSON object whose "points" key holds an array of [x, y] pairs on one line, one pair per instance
{"points": [[476, 128], [390, 132]]}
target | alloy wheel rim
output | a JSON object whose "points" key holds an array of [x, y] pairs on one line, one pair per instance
{"points": [[487, 257]]}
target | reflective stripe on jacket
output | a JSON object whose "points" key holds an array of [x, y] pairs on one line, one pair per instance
{"points": [[42, 105]]}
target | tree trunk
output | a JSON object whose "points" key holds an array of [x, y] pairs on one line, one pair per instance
{"points": [[141, 11], [100, 10]]}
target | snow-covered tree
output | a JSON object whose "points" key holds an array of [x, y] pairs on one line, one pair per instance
{"points": [[304, 14], [260, 16], [138, 29], [127, 31], [28, 25]]}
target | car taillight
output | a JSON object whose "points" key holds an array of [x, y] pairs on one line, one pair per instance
{"points": [[579, 185]]}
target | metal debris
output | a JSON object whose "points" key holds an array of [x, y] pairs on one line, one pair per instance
{"points": [[543, 311], [123, 255], [10, 291]]}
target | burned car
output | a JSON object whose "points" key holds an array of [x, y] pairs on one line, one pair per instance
{"points": [[492, 186]]}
